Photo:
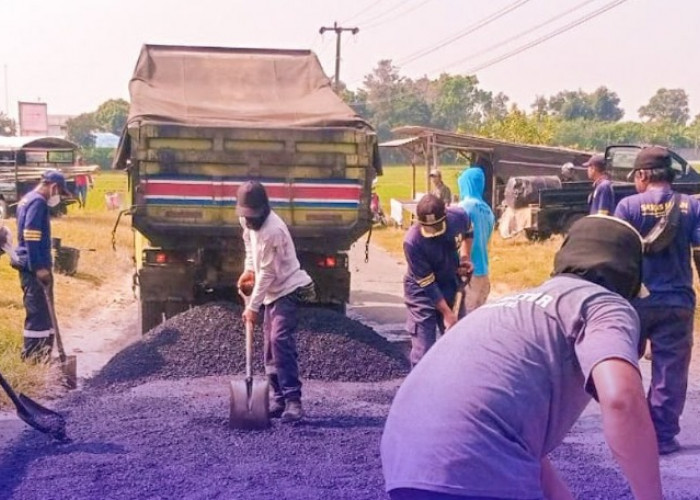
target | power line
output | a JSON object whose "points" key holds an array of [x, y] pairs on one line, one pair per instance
{"points": [[471, 29], [548, 36], [396, 15], [364, 10], [514, 37]]}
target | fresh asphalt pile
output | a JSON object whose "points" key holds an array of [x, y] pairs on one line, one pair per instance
{"points": [[209, 340]]}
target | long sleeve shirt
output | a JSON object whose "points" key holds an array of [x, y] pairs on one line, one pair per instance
{"points": [[270, 253], [34, 231]]}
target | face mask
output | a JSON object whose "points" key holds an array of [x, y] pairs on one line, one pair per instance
{"points": [[53, 200]]}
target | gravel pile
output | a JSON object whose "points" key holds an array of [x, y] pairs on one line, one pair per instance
{"points": [[209, 340]]}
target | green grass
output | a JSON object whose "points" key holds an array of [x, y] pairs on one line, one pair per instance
{"points": [[85, 229]]}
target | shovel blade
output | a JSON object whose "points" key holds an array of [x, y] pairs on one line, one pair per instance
{"points": [[69, 369], [249, 405], [41, 418]]}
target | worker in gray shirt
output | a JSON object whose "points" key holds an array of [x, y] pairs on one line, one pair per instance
{"points": [[477, 417]]}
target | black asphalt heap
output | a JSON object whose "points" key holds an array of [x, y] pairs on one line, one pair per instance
{"points": [[209, 340]]}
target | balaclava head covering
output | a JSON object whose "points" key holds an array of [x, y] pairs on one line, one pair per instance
{"points": [[603, 250]]}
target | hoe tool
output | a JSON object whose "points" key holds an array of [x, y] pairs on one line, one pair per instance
{"points": [[41, 418], [68, 364], [250, 398]]}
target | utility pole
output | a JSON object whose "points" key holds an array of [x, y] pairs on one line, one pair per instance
{"points": [[338, 30]]}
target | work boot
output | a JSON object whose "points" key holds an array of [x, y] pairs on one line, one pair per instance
{"points": [[665, 447], [276, 398], [292, 411]]}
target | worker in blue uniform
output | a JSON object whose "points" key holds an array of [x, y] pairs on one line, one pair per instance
{"points": [[33, 261], [437, 251]]}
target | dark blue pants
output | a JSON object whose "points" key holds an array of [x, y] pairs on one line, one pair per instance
{"points": [[280, 347], [38, 330], [670, 331], [423, 323], [81, 193], [414, 494]]}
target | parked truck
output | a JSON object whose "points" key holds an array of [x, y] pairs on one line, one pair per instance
{"points": [[545, 205], [202, 121]]}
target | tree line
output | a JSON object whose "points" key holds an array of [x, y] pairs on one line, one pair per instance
{"points": [[570, 118]]}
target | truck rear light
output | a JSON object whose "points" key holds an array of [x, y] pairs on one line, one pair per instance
{"points": [[330, 261], [161, 258]]}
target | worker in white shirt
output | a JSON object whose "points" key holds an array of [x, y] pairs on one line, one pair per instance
{"points": [[275, 281]]}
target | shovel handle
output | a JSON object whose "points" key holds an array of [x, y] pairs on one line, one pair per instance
{"points": [[248, 342], [54, 321]]}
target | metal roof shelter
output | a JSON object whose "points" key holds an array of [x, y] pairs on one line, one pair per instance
{"points": [[500, 159], [14, 143]]}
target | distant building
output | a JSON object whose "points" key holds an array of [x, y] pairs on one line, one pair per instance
{"points": [[57, 124], [105, 140]]}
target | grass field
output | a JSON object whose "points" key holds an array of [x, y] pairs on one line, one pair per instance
{"points": [[84, 229]]}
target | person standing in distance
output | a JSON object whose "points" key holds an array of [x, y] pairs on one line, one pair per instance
{"points": [[437, 251], [602, 199], [667, 313], [275, 281], [471, 184], [440, 189]]}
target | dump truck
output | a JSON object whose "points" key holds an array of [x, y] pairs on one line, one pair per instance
{"points": [[203, 120]]}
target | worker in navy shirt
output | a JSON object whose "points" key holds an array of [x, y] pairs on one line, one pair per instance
{"points": [[667, 313], [437, 252], [602, 200], [33, 260]]}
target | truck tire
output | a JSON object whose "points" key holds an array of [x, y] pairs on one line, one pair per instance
{"points": [[173, 308], [534, 235], [4, 210], [151, 314]]}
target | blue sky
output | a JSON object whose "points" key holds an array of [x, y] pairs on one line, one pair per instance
{"points": [[75, 54]]}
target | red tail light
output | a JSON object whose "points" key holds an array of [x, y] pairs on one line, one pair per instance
{"points": [[161, 258]]}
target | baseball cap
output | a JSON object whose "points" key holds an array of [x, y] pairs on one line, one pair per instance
{"points": [[431, 215], [252, 200], [597, 161], [435, 173], [56, 177], [652, 157]]}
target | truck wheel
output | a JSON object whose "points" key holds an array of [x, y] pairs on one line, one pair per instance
{"points": [[339, 308], [151, 313], [173, 308], [534, 235]]}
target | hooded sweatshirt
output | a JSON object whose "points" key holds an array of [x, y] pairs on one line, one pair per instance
{"points": [[471, 184]]}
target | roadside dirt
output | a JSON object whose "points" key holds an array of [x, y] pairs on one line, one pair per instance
{"points": [[169, 439]]}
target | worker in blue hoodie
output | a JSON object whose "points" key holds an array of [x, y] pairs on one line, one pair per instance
{"points": [[471, 184]]}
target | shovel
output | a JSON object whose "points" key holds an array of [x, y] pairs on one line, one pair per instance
{"points": [[250, 398], [459, 296], [41, 418], [68, 364]]}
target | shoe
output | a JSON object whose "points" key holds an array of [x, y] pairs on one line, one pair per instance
{"points": [[292, 411], [668, 447], [276, 408]]}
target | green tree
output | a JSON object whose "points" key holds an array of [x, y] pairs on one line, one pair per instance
{"points": [[79, 129], [602, 105], [111, 115], [518, 126], [667, 105], [8, 126], [606, 105]]}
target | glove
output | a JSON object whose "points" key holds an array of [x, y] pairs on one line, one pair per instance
{"points": [[246, 282], [466, 268]]}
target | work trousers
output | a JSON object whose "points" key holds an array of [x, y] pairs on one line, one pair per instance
{"points": [[670, 332], [423, 331], [280, 348], [38, 331]]}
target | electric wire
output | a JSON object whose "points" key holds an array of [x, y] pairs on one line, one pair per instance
{"points": [[396, 15], [457, 36], [368, 6], [514, 37], [547, 37]]}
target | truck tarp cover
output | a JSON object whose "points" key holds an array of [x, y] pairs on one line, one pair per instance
{"points": [[236, 88]]}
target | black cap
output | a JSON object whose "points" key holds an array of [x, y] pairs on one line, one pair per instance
{"points": [[596, 161], [603, 250], [252, 200], [431, 215], [652, 157]]}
